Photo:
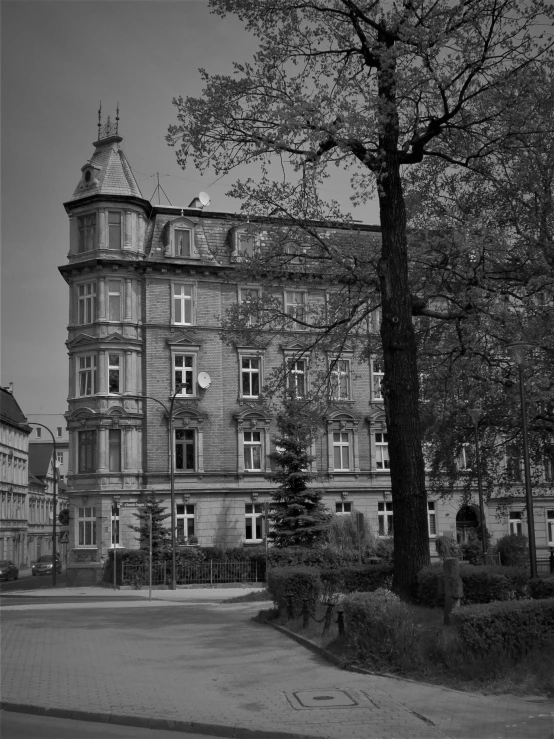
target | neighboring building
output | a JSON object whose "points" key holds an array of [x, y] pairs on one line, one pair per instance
{"points": [[57, 424], [41, 501], [14, 439], [147, 286]]}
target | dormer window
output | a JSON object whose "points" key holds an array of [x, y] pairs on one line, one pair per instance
{"points": [[245, 243], [178, 239]]}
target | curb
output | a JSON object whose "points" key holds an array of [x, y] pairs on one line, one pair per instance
{"points": [[186, 727]]}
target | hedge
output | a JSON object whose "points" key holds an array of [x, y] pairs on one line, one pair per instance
{"points": [[482, 584], [516, 627], [357, 578], [541, 587], [290, 587], [322, 557]]}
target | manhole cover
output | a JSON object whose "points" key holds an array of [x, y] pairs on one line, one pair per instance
{"points": [[323, 699]]}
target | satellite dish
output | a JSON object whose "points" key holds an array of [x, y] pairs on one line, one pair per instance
{"points": [[204, 198], [204, 380]]}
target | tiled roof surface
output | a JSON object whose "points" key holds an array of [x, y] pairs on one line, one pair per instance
{"points": [[113, 175], [10, 410]]}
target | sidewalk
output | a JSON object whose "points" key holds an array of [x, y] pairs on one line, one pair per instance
{"points": [[209, 668]]}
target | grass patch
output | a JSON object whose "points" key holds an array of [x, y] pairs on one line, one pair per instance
{"points": [[424, 649], [252, 597]]}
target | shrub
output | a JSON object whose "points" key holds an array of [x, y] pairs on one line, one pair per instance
{"points": [[540, 588], [515, 627], [472, 551], [129, 556], [322, 557], [482, 584], [343, 534], [512, 549], [384, 549], [382, 629], [290, 587], [447, 546], [357, 578]]}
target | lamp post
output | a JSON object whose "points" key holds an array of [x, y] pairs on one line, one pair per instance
{"points": [[474, 414], [518, 351], [54, 499], [169, 412]]}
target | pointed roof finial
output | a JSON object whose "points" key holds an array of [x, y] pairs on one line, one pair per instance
{"points": [[99, 124], [117, 119]]}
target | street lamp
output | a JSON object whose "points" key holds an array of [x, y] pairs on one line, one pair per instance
{"points": [[54, 499], [115, 537], [169, 412], [518, 351], [475, 414]]}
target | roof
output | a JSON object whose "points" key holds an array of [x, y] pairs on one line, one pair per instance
{"points": [[40, 457], [35, 481], [10, 412], [111, 172]]}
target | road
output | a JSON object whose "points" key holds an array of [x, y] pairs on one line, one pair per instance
{"points": [[26, 726], [28, 582]]}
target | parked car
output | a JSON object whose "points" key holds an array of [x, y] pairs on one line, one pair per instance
{"points": [[8, 571], [43, 565]]}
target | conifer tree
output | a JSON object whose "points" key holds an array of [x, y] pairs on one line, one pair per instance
{"points": [[161, 536], [297, 514]]}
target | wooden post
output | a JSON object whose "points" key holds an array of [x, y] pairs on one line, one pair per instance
{"points": [[453, 586]]}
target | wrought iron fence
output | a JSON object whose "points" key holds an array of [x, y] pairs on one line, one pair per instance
{"points": [[209, 572]]}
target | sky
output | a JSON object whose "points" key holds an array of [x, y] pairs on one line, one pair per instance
{"points": [[59, 59]]}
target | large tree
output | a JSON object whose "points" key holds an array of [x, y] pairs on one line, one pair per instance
{"points": [[376, 87]]}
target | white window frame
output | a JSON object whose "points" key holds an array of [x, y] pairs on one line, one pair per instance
{"points": [[86, 303], [550, 528], [174, 227], [253, 512], [238, 236], [339, 368], [385, 519], [86, 232], [246, 294], [295, 304], [86, 526], [112, 212], [382, 451], [178, 247], [185, 514], [342, 423], [38, 432], [343, 507], [59, 432], [462, 462], [249, 372], [179, 302], [253, 439], [377, 377], [59, 457], [185, 370], [180, 440], [293, 374], [118, 297], [341, 444], [432, 518], [87, 374], [515, 522], [114, 367]]}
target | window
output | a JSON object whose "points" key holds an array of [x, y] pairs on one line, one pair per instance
{"points": [[59, 457], [296, 380], [252, 451], [183, 304], [513, 463], [185, 450], [185, 520], [114, 361], [250, 377], [87, 375], [249, 297], [115, 525], [87, 303], [114, 449], [432, 518], [382, 451], [182, 239], [114, 300], [38, 433], [340, 379], [384, 515], [59, 432], [253, 521], [516, 523], [548, 464], [375, 320], [87, 232], [378, 375], [463, 458], [341, 450], [295, 307], [343, 507], [550, 528], [87, 451], [87, 527], [184, 372], [114, 229], [245, 244]]}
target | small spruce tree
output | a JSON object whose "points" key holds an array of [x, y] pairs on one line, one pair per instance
{"points": [[297, 514], [161, 536]]}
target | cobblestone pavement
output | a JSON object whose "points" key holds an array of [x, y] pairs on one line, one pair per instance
{"points": [[187, 660]]}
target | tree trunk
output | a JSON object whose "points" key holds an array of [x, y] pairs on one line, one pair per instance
{"points": [[401, 388]]}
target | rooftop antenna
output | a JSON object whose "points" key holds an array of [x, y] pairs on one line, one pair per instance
{"points": [[157, 190]]}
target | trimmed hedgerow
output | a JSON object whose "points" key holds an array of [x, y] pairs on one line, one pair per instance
{"points": [[516, 627], [482, 584], [290, 587], [322, 557], [357, 578], [541, 587]]}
